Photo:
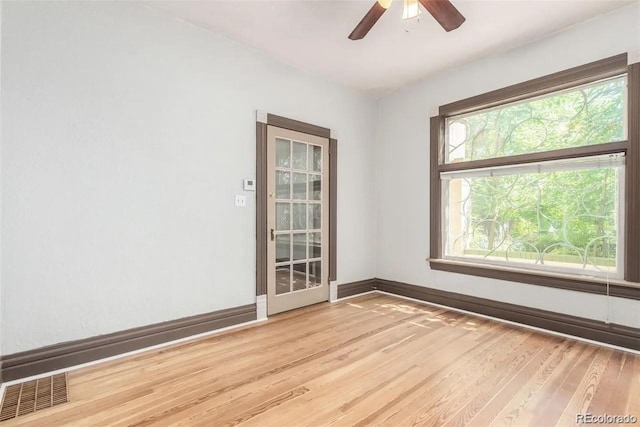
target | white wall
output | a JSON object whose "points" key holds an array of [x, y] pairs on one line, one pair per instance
{"points": [[126, 135], [402, 168]]}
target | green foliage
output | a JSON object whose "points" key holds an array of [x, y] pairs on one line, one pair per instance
{"points": [[570, 213]]}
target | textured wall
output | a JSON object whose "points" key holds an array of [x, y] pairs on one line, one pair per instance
{"points": [[402, 169], [129, 132]]}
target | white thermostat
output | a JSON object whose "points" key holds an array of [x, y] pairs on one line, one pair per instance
{"points": [[249, 184]]}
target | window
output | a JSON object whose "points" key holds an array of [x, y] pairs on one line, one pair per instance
{"points": [[533, 177]]}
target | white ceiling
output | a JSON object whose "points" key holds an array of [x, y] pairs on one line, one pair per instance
{"points": [[312, 35]]}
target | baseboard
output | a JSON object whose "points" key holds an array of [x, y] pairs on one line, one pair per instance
{"points": [[594, 330], [619, 335], [72, 353], [355, 288]]}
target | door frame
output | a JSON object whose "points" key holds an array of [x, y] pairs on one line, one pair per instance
{"points": [[263, 120]]}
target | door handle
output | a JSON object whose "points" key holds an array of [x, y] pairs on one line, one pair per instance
{"points": [[273, 236]]}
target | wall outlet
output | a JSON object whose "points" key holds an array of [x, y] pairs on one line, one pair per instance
{"points": [[241, 201]]}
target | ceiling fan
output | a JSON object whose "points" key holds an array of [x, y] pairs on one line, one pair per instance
{"points": [[442, 10]]}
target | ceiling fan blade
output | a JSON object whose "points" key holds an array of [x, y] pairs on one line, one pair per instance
{"points": [[367, 22], [444, 12]]}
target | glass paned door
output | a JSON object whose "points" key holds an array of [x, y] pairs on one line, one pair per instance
{"points": [[297, 185]]}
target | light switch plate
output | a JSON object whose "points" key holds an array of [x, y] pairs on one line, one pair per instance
{"points": [[249, 184], [241, 201]]}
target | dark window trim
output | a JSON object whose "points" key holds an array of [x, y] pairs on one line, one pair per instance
{"points": [[561, 154], [576, 76], [261, 193], [632, 178], [588, 73], [592, 285]]}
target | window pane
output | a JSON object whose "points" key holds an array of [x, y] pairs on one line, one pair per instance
{"points": [[299, 246], [283, 216], [299, 186], [315, 187], [315, 245], [315, 274], [562, 219], [299, 276], [283, 279], [586, 115], [315, 158], [283, 248], [299, 155], [283, 153], [299, 216], [315, 216], [283, 184]]}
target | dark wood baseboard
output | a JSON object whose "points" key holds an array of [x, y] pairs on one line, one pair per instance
{"points": [[620, 335], [355, 288], [71, 353], [64, 355]]}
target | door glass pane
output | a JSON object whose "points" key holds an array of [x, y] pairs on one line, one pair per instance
{"points": [[298, 208], [283, 216], [315, 187], [299, 156], [315, 216], [299, 276], [299, 246], [315, 158], [315, 242], [299, 186], [283, 248], [283, 279], [315, 274], [283, 182], [299, 216], [283, 153]]}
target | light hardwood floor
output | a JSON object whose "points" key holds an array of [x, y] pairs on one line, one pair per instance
{"points": [[372, 360]]}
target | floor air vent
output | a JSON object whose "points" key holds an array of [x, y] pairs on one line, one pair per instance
{"points": [[31, 396]]}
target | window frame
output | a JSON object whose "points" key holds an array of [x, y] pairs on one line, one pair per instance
{"points": [[629, 286], [549, 166]]}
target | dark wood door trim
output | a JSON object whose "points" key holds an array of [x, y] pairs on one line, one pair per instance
{"points": [[262, 122], [298, 126], [261, 208], [333, 211]]}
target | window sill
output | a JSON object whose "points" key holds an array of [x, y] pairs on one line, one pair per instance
{"points": [[589, 284]]}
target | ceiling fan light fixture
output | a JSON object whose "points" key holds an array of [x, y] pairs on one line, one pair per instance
{"points": [[442, 10], [411, 9]]}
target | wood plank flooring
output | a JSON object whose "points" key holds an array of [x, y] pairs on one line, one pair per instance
{"points": [[371, 360]]}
